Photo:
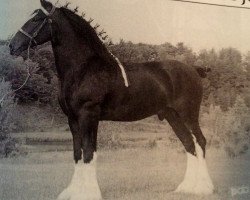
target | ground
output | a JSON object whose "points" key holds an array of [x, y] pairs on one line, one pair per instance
{"points": [[145, 168]]}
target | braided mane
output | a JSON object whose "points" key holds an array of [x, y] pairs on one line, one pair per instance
{"points": [[84, 30]]}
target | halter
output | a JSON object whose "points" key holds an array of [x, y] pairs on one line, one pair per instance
{"points": [[34, 35]]}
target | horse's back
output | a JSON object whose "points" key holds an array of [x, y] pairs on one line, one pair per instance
{"points": [[174, 75]]}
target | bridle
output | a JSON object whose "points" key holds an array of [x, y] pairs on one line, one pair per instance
{"points": [[32, 37]]}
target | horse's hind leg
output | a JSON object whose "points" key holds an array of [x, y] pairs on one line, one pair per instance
{"points": [[185, 136], [196, 178], [204, 183], [180, 130]]}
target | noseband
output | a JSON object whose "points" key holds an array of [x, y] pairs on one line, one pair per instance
{"points": [[45, 21]]}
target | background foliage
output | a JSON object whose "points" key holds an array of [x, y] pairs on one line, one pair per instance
{"points": [[225, 106]]}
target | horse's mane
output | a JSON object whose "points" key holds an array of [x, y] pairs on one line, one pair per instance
{"points": [[84, 30]]}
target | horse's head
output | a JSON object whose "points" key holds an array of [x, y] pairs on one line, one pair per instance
{"points": [[35, 31]]}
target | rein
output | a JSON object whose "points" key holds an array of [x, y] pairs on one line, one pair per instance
{"points": [[32, 39]]}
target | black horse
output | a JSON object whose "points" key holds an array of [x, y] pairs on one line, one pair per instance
{"points": [[94, 87]]}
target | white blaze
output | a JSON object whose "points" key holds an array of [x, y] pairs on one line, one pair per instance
{"points": [[197, 179], [84, 185]]}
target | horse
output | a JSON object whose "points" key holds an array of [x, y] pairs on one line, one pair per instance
{"points": [[95, 86]]}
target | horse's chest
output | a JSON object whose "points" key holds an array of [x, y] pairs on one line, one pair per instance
{"points": [[73, 96]]}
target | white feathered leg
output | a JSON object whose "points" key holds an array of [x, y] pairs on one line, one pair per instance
{"points": [[204, 184], [84, 185], [196, 179], [189, 182]]}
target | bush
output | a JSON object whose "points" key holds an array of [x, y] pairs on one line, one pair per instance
{"points": [[229, 129], [7, 118], [41, 87]]}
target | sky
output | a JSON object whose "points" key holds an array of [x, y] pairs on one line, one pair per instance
{"points": [[151, 21]]}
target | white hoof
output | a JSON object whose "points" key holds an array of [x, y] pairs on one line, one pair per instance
{"points": [[204, 184]]}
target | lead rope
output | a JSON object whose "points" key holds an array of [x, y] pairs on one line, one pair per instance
{"points": [[19, 88], [25, 81]]}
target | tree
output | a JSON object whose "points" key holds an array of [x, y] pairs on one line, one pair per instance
{"points": [[230, 56], [227, 79]]}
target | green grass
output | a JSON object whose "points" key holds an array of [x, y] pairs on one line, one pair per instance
{"points": [[128, 174]]}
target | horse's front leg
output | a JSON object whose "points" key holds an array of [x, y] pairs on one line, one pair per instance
{"points": [[84, 185]]}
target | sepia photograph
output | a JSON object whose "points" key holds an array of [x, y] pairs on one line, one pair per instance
{"points": [[124, 100]]}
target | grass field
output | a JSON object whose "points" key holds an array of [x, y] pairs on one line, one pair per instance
{"points": [[147, 163], [128, 174]]}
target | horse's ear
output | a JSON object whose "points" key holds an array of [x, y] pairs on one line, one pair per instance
{"points": [[45, 4]]}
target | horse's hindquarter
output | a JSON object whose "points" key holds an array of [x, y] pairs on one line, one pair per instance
{"points": [[187, 88]]}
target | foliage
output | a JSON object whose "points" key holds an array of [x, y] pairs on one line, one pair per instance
{"points": [[227, 79], [228, 129], [41, 86], [7, 118], [129, 52], [7, 108]]}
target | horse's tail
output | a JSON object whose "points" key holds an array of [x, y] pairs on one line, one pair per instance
{"points": [[202, 71]]}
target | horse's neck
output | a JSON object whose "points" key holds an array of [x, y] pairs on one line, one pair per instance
{"points": [[73, 53], [70, 53]]}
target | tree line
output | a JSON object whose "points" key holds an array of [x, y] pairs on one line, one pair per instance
{"points": [[229, 76]]}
